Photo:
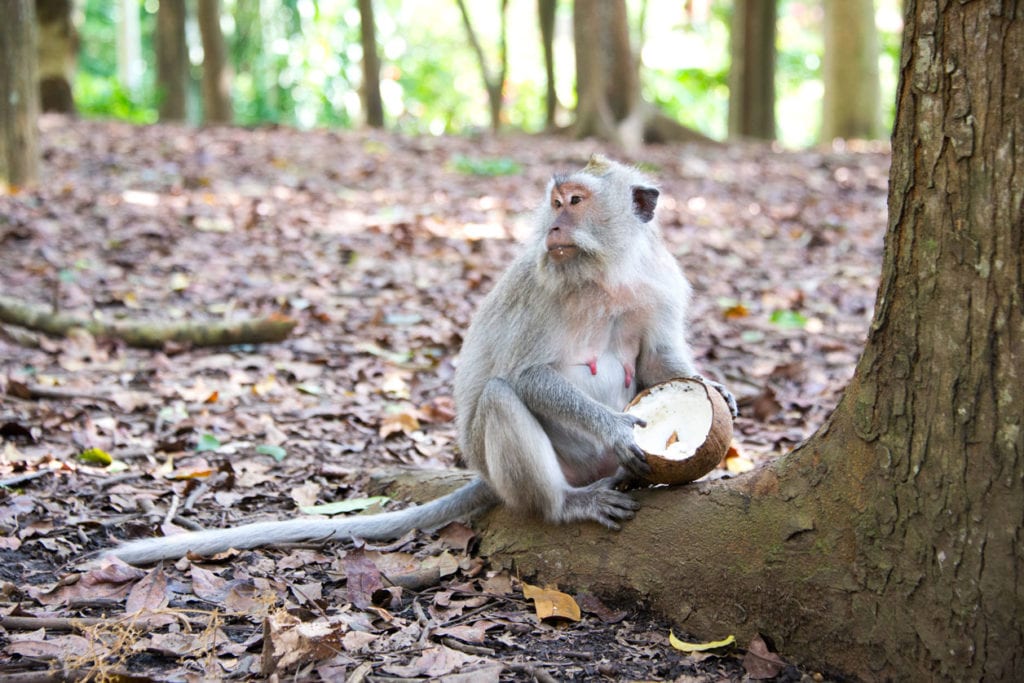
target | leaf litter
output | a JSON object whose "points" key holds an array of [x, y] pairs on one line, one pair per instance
{"points": [[379, 247]]}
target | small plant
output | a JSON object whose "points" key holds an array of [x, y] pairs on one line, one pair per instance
{"points": [[496, 166]]}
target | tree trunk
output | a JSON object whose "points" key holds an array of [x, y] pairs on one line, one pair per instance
{"points": [[601, 106], [172, 59], [57, 48], [851, 106], [889, 545], [609, 104], [372, 104], [752, 72], [216, 74], [129, 46], [19, 105], [494, 83], [546, 14]]}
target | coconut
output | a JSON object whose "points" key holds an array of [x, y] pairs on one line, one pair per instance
{"points": [[688, 432]]}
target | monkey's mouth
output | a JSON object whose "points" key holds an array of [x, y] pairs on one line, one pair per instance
{"points": [[562, 253]]}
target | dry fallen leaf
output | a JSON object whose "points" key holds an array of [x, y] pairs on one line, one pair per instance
{"points": [[551, 603], [759, 662]]}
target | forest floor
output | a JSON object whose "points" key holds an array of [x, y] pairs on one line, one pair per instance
{"points": [[379, 247]]}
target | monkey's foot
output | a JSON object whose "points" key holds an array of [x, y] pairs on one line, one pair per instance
{"points": [[600, 503]]}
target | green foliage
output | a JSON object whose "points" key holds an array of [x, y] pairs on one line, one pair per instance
{"points": [[486, 166], [788, 320], [105, 96]]}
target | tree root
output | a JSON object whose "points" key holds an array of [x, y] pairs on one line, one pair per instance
{"points": [[148, 334]]}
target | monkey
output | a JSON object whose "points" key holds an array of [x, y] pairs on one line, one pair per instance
{"points": [[592, 311]]}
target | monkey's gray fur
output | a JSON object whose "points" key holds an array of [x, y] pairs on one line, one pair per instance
{"points": [[591, 312]]}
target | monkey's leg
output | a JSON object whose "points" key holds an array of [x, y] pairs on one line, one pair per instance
{"points": [[524, 469]]}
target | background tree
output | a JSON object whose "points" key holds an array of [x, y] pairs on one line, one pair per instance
{"points": [[609, 102], [851, 106], [752, 72], [172, 59], [888, 545], [607, 77], [373, 106], [494, 80], [130, 64], [19, 105], [216, 74], [546, 10], [57, 46]]}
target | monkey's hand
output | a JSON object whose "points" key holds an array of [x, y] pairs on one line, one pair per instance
{"points": [[624, 444], [726, 394]]}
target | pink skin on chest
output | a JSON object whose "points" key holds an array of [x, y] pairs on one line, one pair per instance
{"points": [[627, 369]]}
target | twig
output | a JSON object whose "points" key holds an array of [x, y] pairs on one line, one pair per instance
{"points": [[35, 391], [51, 623], [173, 509], [478, 650], [21, 478]]}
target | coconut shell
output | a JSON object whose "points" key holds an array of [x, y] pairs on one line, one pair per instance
{"points": [[707, 456]]}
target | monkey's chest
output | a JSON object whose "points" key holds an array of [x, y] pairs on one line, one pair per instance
{"points": [[607, 377]]}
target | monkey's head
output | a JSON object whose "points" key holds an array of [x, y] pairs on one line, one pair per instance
{"points": [[594, 216]]}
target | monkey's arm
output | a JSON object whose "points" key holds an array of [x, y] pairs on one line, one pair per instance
{"points": [[473, 497], [552, 397], [665, 356]]}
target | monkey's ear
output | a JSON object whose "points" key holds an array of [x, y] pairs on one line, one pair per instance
{"points": [[644, 201]]}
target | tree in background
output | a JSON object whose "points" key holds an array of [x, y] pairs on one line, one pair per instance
{"points": [[19, 105], [57, 46], [216, 74], [172, 59], [609, 103], [752, 73], [494, 80], [851, 106], [546, 15], [373, 106]]}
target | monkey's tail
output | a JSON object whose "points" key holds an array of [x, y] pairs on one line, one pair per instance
{"points": [[476, 496]]}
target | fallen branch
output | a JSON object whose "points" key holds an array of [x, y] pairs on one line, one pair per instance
{"points": [[50, 623], [148, 334]]}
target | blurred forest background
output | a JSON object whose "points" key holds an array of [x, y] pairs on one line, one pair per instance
{"points": [[798, 71]]}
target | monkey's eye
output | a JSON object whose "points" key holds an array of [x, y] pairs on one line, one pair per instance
{"points": [[557, 203], [575, 199]]}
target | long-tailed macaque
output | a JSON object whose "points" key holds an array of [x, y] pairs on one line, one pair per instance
{"points": [[591, 312]]}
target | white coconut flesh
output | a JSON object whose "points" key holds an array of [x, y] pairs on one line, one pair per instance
{"points": [[678, 417]]}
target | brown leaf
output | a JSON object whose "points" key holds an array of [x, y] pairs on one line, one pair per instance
{"points": [[148, 594], [362, 579], [551, 603], [432, 663], [759, 662], [207, 585], [591, 604]]}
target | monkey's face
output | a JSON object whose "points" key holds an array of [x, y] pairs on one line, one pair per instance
{"points": [[570, 205]]}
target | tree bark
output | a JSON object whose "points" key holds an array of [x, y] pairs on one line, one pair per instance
{"points": [[148, 334], [752, 73], [851, 106], [172, 59], [889, 545], [19, 104], [129, 46], [546, 15], [609, 104], [216, 74], [57, 48], [494, 83], [373, 106]]}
